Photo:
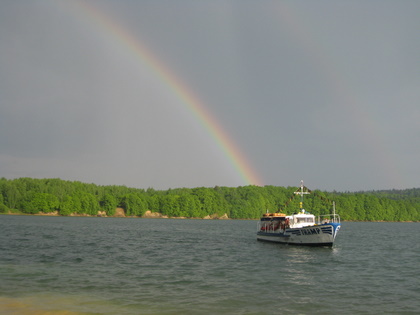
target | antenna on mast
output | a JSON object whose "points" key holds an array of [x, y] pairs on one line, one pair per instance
{"points": [[302, 192]]}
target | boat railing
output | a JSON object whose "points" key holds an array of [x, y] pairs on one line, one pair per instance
{"points": [[328, 218], [268, 226]]}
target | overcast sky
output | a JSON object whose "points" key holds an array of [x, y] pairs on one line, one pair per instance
{"points": [[324, 91]]}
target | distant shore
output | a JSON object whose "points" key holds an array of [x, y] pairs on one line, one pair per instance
{"points": [[119, 213], [157, 215]]}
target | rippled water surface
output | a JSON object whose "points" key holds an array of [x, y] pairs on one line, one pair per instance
{"points": [[79, 265]]}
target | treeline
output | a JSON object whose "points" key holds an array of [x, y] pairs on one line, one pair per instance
{"points": [[32, 196]]}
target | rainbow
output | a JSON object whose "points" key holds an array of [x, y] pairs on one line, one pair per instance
{"points": [[123, 37]]}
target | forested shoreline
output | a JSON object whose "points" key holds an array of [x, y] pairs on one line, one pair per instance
{"points": [[37, 196]]}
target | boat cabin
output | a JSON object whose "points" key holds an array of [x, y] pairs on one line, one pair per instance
{"points": [[281, 221], [274, 221], [301, 219]]}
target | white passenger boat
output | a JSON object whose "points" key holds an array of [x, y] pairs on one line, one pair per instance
{"points": [[301, 228]]}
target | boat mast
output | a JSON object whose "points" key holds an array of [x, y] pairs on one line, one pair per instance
{"points": [[301, 193]]}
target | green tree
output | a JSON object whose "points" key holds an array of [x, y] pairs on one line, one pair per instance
{"points": [[108, 204], [77, 204], [3, 207], [67, 206], [133, 204], [12, 196], [189, 206], [154, 203], [37, 202], [169, 205], [89, 203]]}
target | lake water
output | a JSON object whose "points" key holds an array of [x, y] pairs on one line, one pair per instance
{"points": [[81, 265]]}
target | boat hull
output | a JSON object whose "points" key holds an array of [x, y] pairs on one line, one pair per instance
{"points": [[316, 235]]}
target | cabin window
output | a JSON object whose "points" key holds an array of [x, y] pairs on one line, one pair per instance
{"points": [[302, 220]]}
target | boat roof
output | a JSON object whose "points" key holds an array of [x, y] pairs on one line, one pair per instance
{"points": [[275, 214], [284, 216], [300, 214]]}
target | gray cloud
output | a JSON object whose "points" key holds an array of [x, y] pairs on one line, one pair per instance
{"points": [[325, 91]]}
